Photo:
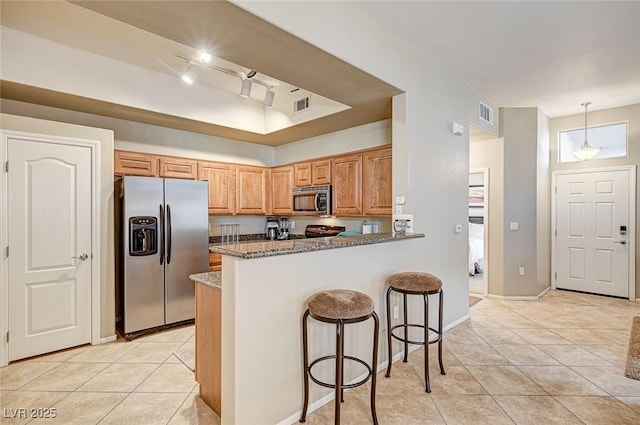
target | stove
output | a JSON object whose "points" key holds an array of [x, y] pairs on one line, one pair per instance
{"points": [[319, 231]]}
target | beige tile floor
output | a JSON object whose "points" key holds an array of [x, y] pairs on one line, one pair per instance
{"points": [[559, 360]]}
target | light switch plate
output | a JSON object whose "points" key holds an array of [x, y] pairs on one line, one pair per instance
{"points": [[399, 200], [513, 225]]}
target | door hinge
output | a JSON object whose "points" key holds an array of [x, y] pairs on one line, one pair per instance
{"points": [[7, 337], [7, 252], [6, 166], [555, 276], [555, 232], [555, 189]]}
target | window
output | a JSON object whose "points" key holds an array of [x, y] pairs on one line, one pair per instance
{"points": [[612, 138]]}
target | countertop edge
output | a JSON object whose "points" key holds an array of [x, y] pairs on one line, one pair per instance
{"points": [[309, 245], [210, 279]]}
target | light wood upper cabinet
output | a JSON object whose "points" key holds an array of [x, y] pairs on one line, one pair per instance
{"points": [[302, 174], [251, 190], [347, 185], [135, 164], [321, 172], [377, 182], [222, 182], [179, 168], [281, 185]]}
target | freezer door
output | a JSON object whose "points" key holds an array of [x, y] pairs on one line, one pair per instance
{"points": [[143, 274], [187, 244]]}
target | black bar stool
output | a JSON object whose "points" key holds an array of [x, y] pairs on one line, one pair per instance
{"points": [[415, 283], [340, 306]]}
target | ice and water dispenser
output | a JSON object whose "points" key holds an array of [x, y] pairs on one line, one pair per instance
{"points": [[143, 236]]}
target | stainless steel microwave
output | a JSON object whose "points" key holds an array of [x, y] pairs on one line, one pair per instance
{"points": [[312, 200]]}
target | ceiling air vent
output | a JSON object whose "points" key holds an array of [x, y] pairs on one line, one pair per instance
{"points": [[486, 113], [301, 105]]}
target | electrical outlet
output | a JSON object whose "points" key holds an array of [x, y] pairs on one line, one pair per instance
{"points": [[396, 312], [292, 224]]}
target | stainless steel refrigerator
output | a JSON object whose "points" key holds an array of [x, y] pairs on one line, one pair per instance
{"points": [[161, 238]]}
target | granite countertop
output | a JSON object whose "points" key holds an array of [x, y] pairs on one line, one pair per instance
{"points": [[260, 249], [211, 279]]}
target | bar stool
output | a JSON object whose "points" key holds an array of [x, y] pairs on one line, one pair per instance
{"points": [[340, 307], [415, 283]]}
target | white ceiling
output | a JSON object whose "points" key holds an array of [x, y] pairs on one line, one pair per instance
{"points": [[550, 54]]}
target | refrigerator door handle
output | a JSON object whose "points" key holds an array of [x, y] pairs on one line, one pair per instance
{"points": [[161, 226], [168, 233]]}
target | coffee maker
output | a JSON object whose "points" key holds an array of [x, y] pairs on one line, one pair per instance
{"points": [[271, 230]]}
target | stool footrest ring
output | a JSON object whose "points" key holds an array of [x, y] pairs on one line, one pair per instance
{"points": [[401, 339], [344, 386]]}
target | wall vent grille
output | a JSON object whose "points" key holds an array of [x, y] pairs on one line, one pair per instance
{"points": [[301, 105], [486, 113]]}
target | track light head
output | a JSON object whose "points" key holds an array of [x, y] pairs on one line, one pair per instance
{"points": [[268, 97], [204, 56], [245, 90], [189, 77], [251, 74]]}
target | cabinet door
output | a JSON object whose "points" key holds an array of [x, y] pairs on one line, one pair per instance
{"points": [[321, 172], [222, 179], [347, 185], [281, 185], [377, 182], [302, 174], [135, 164], [251, 190], [178, 168]]}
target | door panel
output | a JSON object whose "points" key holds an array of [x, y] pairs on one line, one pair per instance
{"points": [[186, 204], [49, 199], [590, 209]]}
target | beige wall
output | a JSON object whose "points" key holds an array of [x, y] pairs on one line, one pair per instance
{"points": [[490, 154], [629, 114], [105, 171]]}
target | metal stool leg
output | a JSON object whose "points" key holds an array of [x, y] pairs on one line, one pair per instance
{"points": [[305, 361], [442, 372], [426, 342], [389, 349], [406, 330], [339, 362], [374, 366]]}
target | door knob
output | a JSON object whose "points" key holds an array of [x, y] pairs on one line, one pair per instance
{"points": [[623, 242], [82, 257]]}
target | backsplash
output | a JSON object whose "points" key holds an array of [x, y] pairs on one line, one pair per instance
{"points": [[249, 226]]}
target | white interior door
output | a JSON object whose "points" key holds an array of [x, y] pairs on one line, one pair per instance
{"points": [[592, 222], [49, 235]]}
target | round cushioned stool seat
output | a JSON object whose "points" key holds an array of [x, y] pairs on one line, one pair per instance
{"points": [[341, 304], [415, 282]]}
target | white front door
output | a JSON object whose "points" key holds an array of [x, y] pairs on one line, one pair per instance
{"points": [[49, 235], [593, 225]]}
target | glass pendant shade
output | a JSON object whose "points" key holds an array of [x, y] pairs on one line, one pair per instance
{"points": [[586, 151]]}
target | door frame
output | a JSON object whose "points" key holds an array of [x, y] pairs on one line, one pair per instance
{"points": [[94, 146], [631, 226], [485, 220]]}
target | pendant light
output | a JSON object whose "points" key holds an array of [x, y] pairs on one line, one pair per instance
{"points": [[586, 152]]}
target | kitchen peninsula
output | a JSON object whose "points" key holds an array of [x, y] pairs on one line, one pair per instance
{"points": [[264, 287]]}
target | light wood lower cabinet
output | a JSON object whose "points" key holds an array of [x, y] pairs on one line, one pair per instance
{"points": [[281, 185], [347, 185], [251, 190], [222, 183], [208, 345], [376, 194], [215, 262]]}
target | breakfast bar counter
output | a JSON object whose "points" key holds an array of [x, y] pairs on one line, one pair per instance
{"points": [[264, 287]]}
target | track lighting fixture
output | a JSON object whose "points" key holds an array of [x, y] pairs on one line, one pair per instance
{"points": [[268, 97], [190, 76], [204, 56], [245, 90], [251, 74]]}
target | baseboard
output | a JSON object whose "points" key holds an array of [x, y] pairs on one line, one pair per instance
{"points": [[544, 291], [520, 298], [108, 339]]}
